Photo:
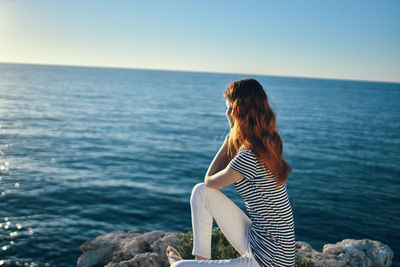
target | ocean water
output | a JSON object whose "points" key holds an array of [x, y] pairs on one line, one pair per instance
{"points": [[86, 151]]}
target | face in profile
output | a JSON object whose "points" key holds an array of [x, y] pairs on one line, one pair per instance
{"points": [[229, 112]]}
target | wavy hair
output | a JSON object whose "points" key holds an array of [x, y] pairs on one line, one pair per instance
{"points": [[254, 128]]}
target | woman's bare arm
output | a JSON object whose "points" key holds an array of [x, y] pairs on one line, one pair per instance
{"points": [[219, 174], [220, 160]]}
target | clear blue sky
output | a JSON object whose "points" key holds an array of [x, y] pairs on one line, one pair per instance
{"points": [[330, 39]]}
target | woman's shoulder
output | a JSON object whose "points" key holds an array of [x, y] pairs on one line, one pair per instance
{"points": [[253, 157], [248, 155], [247, 151]]}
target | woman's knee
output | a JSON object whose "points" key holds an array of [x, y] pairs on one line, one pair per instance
{"points": [[198, 189]]}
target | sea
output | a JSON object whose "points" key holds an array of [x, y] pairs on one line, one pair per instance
{"points": [[85, 151]]}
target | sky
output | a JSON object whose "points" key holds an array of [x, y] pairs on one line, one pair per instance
{"points": [[358, 40]]}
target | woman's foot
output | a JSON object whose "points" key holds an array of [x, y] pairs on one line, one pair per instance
{"points": [[173, 255]]}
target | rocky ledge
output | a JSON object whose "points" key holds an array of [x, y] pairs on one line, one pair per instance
{"points": [[138, 249]]}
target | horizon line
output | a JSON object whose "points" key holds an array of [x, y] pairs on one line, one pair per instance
{"points": [[195, 71]]}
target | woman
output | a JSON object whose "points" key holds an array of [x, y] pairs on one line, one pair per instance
{"points": [[251, 158]]}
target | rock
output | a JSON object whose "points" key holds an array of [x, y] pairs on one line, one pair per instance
{"points": [[132, 248], [348, 252], [137, 249], [139, 260]]}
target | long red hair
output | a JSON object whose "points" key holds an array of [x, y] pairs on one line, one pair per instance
{"points": [[254, 128]]}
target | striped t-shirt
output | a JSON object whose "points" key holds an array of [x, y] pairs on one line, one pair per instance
{"points": [[271, 235]]}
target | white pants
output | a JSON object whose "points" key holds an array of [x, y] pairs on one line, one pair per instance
{"points": [[208, 203]]}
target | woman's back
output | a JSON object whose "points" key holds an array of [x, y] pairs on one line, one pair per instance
{"points": [[272, 235]]}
